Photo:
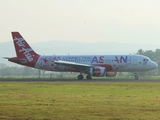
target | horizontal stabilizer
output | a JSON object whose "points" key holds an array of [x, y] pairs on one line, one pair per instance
{"points": [[6, 57], [15, 59]]}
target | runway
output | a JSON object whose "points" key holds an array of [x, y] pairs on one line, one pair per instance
{"points": [[73, 80]]}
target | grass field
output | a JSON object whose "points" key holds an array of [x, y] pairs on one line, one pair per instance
{"points": [[80, 100]]}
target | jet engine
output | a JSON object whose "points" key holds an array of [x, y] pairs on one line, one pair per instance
{"points": [[97, 71]]}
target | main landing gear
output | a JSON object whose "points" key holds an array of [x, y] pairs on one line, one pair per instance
{"points": [[135, 76], [89, 77], [80, 77]]}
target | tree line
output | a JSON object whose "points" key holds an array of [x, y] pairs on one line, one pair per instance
{"points": [[17, 71], [7, 71]]}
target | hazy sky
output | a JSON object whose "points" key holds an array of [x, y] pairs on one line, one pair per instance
{"points": [[128, 21]]}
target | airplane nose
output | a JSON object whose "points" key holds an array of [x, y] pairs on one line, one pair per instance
{"points": [[154, 65]]}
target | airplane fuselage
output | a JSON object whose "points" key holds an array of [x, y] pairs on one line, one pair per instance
{"points": [[116, 63]]}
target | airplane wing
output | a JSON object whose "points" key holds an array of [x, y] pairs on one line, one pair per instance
{"points": [[77, 66]]}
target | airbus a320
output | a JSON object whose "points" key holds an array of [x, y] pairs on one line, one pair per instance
{"points": [[91, 65]]}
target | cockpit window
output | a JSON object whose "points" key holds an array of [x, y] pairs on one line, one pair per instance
{"points": [[145, 60]]}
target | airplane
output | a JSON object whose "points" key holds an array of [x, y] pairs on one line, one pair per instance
{"points": [[91, 65]]}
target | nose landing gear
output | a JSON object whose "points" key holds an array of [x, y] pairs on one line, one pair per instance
{"points": [[135, 75]]}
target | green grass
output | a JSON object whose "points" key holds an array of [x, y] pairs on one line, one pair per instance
{"points": [[80, 100]]}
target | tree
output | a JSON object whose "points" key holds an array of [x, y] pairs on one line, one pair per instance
{"points": [[153, 55], [27, 71], [2, 67], [157, 59], [140, 52]]}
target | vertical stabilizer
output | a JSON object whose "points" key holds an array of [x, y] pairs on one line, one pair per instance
{"points": [[25, 54], [23, 50]]}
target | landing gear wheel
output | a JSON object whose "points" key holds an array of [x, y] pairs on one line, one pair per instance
{"points": [[136, 77], [88, 77], [80, 77]]}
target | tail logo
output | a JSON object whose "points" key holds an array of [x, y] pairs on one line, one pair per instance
{"points": [[26, 51], [19, 41]]}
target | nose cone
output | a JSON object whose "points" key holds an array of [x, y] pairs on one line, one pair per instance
{"points": [[154, 65]]}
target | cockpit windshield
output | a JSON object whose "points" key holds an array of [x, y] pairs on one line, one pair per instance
{"points": [[146, 59]]}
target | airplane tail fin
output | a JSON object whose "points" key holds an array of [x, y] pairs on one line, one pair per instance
{"points": [[23, 50], [25, 54]]}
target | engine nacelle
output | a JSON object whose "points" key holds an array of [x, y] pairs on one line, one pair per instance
{"points": [[111, 74], [97, 71]]}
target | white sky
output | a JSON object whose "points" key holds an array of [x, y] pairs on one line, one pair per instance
{"points": [[129, 21]]}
